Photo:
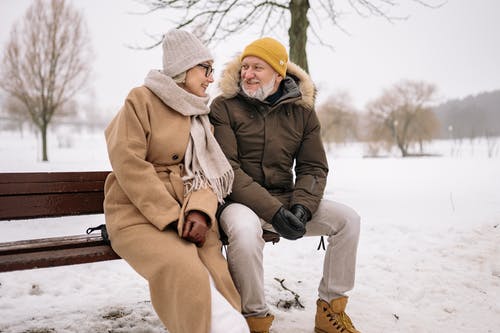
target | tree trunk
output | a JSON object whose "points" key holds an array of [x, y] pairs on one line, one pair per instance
{"points": [[43, 132], [297, 33]]}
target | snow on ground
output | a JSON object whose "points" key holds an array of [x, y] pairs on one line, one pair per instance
{"points": [[428, 258]]}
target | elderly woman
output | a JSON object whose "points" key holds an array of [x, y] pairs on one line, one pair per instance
{"points": [[160, 200]]}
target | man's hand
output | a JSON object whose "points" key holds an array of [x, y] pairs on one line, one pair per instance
{"points": [[302, 213], [288, 225], [195, 228]]}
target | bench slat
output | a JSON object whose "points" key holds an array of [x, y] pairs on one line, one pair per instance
{"points": [[66, 250], [52, 177], [51, 182], [44, 244], [50, 205], [46, 188], [55, 251], [56, 257]]}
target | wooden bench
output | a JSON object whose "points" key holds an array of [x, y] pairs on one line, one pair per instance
{"points": [[55, 194]]}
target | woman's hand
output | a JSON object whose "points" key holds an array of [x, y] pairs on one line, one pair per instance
{"points": [[195, 227]]}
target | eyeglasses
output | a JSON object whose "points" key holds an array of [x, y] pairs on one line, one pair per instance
{"points": [[209, 70]]}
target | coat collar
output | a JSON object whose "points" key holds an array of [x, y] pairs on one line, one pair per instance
{"points": [[230, 82]]}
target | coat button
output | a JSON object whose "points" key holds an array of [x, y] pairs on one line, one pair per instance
{"points": [[175, 157]]}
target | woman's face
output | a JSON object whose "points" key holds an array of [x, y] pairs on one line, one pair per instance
{"points": [[198, 78]]}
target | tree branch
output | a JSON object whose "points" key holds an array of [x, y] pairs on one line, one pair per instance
{"points": [[296, 296]]}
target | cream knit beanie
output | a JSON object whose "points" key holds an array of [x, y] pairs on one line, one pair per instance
{"points": [[182, 51]]}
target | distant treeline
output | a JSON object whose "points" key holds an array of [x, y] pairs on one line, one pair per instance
{"points": [[473, 116]]}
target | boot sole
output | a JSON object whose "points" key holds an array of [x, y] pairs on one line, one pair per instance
{"points": [[317, 330]]}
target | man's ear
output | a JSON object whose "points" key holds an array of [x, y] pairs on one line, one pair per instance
{"points": [[279, 78]]}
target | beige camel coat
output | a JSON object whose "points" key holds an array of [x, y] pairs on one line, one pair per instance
{"points": [[145, 207]]}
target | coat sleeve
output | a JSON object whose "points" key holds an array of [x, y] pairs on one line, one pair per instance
{"points": [[127, 140], [203, 200], [245, 190], [311, 166]]}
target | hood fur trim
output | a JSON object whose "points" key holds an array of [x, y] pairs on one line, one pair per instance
{"points": [[230, 82]]}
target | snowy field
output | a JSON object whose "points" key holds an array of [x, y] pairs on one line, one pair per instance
{"points": [[428, 259]]}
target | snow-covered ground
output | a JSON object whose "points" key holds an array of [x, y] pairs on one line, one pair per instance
{"points": [[428, 258]]}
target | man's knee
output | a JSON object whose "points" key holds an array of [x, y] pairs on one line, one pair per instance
{"points": [[241, 224], [353, 222], [350, 223], [343, 219]]}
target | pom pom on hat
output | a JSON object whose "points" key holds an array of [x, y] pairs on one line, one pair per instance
{"points": [[269, 50], [182, 51]]}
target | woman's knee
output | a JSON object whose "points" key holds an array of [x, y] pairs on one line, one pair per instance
{"points": [[173, 272]]}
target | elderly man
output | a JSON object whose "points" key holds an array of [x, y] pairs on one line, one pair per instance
{"points": [[265, 122]]}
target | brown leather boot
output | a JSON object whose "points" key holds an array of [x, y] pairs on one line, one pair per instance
{"points": [[260, 324], [331, 318]]}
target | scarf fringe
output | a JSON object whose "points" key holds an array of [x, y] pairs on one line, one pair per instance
{"points": [[221, 186]]}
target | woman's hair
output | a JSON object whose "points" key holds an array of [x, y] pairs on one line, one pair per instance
{"points": [[180, 78]]}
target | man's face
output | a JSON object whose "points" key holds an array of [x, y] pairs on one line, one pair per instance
{"points": [[256, 74]]}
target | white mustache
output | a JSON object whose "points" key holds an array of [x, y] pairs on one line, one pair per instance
{"points": [[252, 81]]}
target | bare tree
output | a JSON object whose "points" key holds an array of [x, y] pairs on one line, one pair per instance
{"points": [[491, 144], [14, 114], [403, 116], [338, 119], [46, 62], [425, 127], [214, 20]]}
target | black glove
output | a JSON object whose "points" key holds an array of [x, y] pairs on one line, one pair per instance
{"points": [[288, 225], [302, 213]]}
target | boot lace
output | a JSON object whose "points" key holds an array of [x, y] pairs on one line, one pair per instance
{"points": [[340, 321], [346, 322]]}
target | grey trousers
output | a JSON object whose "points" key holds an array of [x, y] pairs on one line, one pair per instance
{"points": [[340, 223]]}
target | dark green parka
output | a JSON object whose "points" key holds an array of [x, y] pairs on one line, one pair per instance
{"points": [[265, 142]]}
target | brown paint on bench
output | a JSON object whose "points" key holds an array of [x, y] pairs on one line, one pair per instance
{"points": [[55, 194]]}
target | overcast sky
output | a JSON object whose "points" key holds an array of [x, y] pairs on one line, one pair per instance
{"points": [[456, 47]]}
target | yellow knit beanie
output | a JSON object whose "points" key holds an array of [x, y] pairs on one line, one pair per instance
{"points": [[269, 50]]}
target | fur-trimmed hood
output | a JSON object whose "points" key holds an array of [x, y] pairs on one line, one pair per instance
{"points": [[230, 82]]}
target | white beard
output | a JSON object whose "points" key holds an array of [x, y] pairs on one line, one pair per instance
{"points": [[263, 92]]}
